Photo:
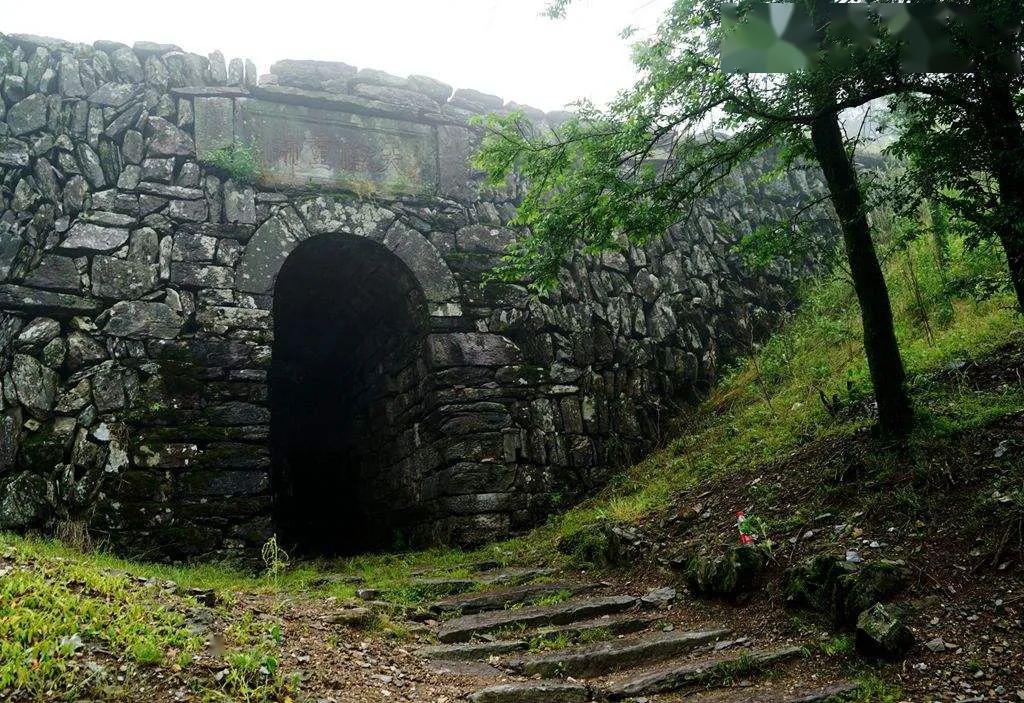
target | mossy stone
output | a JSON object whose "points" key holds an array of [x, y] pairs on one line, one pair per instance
{"points": [[830, 585], [727, 572], [875, 582], [882, 632]]}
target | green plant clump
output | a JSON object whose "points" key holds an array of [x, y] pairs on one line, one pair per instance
{"points": [[239, 161]]}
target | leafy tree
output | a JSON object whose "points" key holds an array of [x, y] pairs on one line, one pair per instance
{"points": [[607, 178], [961, 136]]}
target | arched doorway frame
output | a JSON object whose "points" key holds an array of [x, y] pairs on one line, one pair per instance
{"points": [[376, 262], [273, 242]]}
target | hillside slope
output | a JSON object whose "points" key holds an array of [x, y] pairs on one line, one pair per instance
{"points": [[785, 439]]}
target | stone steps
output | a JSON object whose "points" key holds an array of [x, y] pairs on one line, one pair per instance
{"points": [[464, 628], [533, 692], [708, 672], [636, 659], [475, 650], [843, 691], [500, 599], [438, 587], [614, 624], [833, 693], [615, 655], [513, 576], [557, 691]]}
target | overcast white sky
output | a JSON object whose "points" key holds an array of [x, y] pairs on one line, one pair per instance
{"points": [[499, 46]]}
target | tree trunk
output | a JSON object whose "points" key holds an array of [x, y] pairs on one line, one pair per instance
{"points": [[940, 236], [895, 413], [1006, 143]]}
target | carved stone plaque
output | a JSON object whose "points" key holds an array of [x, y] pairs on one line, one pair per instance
{"points": [[299, 146]]}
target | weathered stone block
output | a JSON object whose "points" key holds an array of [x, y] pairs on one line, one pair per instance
{"points": [[157, 170], [189, 210], [143, 320], [37, 334], [35, 385], [214, 124], [10, 440], [882, 632], [122, 279], [113, 387], [201, 276], [113, 94], [267, 251], [311, 74], [239, 413], [471, 349], [726, 572], [193, 247], [224, 483], [29, 115], [456, 146], [167, 139], [239, 203], [23, 500], [435, 89], [14, 297], [83, 351], [14, 152], [93, 237]]}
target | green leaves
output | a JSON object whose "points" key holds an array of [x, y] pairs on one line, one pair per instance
{"points": [[606, 179]]}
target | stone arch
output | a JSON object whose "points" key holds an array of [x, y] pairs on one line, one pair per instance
{"points": [[348, 365], [270, 246]]}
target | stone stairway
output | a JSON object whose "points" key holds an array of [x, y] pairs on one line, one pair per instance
{"points": [[570, 642]]}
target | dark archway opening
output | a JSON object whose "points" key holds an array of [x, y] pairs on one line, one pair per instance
{"points": [[349, 325]]}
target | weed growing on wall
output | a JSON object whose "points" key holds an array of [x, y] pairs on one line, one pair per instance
{"points": [[240, 161]]}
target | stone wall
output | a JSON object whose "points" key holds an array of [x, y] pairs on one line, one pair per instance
{"points": [[137, 304]]}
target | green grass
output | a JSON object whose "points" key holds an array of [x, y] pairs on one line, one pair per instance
{"points": [[874, 690], [253, 666], [239, 161], [564, 640], [838, 646], [55, 600], [555, 598], [52, 610]]}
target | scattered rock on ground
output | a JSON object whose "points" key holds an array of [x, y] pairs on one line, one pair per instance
{"points": [[882, 632]]}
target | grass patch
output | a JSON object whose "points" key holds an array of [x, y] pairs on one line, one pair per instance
{"points": [[237, 160], [564, 640], [55, 611], [871, 689], [552, 598], [253, 672], [771, 401], [838, 646]]}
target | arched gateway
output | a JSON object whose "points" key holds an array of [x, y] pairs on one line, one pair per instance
{"points": [[192, 359], [347, 400]]}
